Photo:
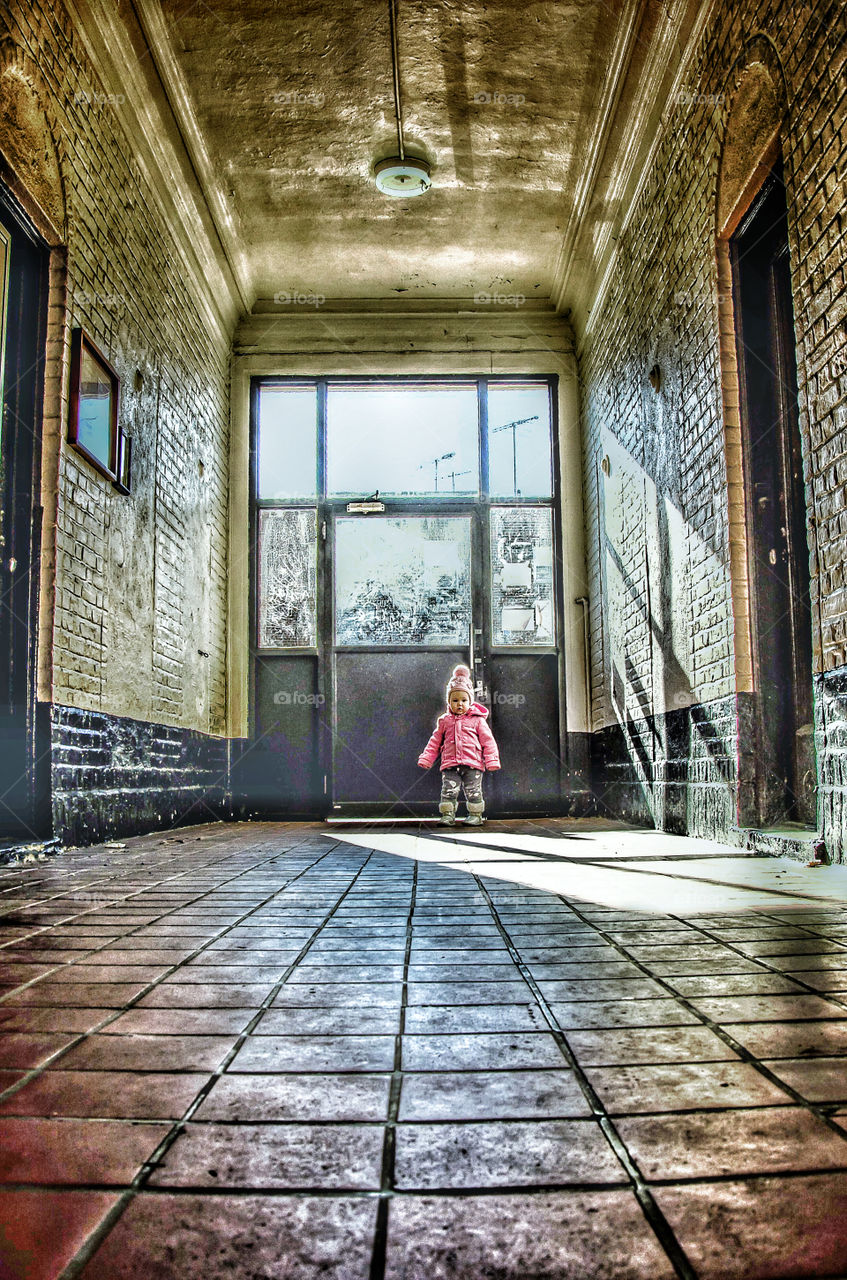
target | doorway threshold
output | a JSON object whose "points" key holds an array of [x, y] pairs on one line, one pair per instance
{"points": [[338, 820]]}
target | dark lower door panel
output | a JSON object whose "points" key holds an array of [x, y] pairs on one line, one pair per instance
{"points": [[387, 704], [525, 722], [279, 770]]}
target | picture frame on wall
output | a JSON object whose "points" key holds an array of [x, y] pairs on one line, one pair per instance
{"points": [[93, 416]]}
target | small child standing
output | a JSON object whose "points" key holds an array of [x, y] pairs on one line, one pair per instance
{"points": [[467, 749]]}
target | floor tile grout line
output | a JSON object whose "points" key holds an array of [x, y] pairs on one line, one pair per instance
{"points": [[157, 883], [130, 933], [48, 1063], [148, 1167], [108, 879], [768, 967], [735, 1045], [465, 1192], [656, 1219], [379, 1251]]}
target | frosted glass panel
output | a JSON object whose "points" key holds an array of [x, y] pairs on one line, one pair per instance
{"points": [[519, 437], [402, 582], [288, 448], [287, 579], [522, 576], [402, 440]]}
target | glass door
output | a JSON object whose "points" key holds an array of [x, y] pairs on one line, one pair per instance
{"points": [[403, 614]]}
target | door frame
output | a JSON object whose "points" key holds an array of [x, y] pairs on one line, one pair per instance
{"points": [[29, 816], [761, 801], [328, 509]]}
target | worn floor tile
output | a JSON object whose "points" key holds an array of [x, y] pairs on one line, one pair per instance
{"points": [[340, 1156], [106, 1094], [467, 993], [479, 1052], [818, 1079], [297, 1097], [20, 1049], [621, 1013], [577, 1234], [719, 1226], [491, 1095], [683, 1086], [220, 1238], [327, 995], [148, 1053], [734, 984], [507, 1153], [791, 1039], [771, 1008], [74, 1151], [650, 1044], [113, 995], [173, 994], [576, 987], [27, 1250], [438, 1019], [720, 1143], [185, 1022], [315, 1053], [340, 1020]]}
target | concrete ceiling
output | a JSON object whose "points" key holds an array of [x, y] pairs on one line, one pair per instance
{"points": [[294, 102], [536, 118]]}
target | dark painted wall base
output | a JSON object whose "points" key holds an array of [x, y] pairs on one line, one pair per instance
{"points": [[676, 772], [112, 776]]}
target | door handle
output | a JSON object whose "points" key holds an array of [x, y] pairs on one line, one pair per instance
{"points": [[479, 687]]}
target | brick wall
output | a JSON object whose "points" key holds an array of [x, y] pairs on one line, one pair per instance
{"points": [[139, 624], [662, 624]]}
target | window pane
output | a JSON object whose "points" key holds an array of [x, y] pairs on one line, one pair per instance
{"points": [[402, 582], [519, 456], [287, 578], [522, 576], [402, 440], [288, 450]]}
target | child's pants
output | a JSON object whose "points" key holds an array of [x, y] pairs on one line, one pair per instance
{"points": [[462, 777]]}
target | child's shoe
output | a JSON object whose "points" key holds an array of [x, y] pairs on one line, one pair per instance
{"points": [[475, 811], [448, 814]]}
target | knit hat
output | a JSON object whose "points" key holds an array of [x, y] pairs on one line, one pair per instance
{"points": [[461, 680]]}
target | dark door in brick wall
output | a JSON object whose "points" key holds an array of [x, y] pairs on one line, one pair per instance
{"points": [[23, 320], [778, 551]]}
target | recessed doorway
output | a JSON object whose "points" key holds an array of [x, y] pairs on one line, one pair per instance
{"points": [[401, 526]]}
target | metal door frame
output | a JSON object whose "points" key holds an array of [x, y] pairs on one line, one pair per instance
{"points": [[478, 507]]}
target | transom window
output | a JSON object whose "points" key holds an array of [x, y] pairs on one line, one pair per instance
{"points": [[406, 440]]}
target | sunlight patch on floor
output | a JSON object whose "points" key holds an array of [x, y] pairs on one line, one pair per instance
{"points": [[672, 887]]}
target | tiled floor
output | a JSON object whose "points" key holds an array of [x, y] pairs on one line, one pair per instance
{"points": [[543, 1051]]}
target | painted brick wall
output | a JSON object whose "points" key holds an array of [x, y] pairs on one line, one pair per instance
{"points": [[140, 611], [662, 307]]}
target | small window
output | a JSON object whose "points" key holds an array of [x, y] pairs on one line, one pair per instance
{"points": [[288, 443], [522, 576], [287, 611], [413, 440], [519, 453]]}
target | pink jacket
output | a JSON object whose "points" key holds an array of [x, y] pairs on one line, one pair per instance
{"points": [[464, 739]]}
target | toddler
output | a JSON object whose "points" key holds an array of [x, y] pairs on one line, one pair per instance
{"points": [[467, 749]]}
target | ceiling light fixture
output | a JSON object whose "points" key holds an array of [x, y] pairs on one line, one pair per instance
{"points": [[400, 175]]}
